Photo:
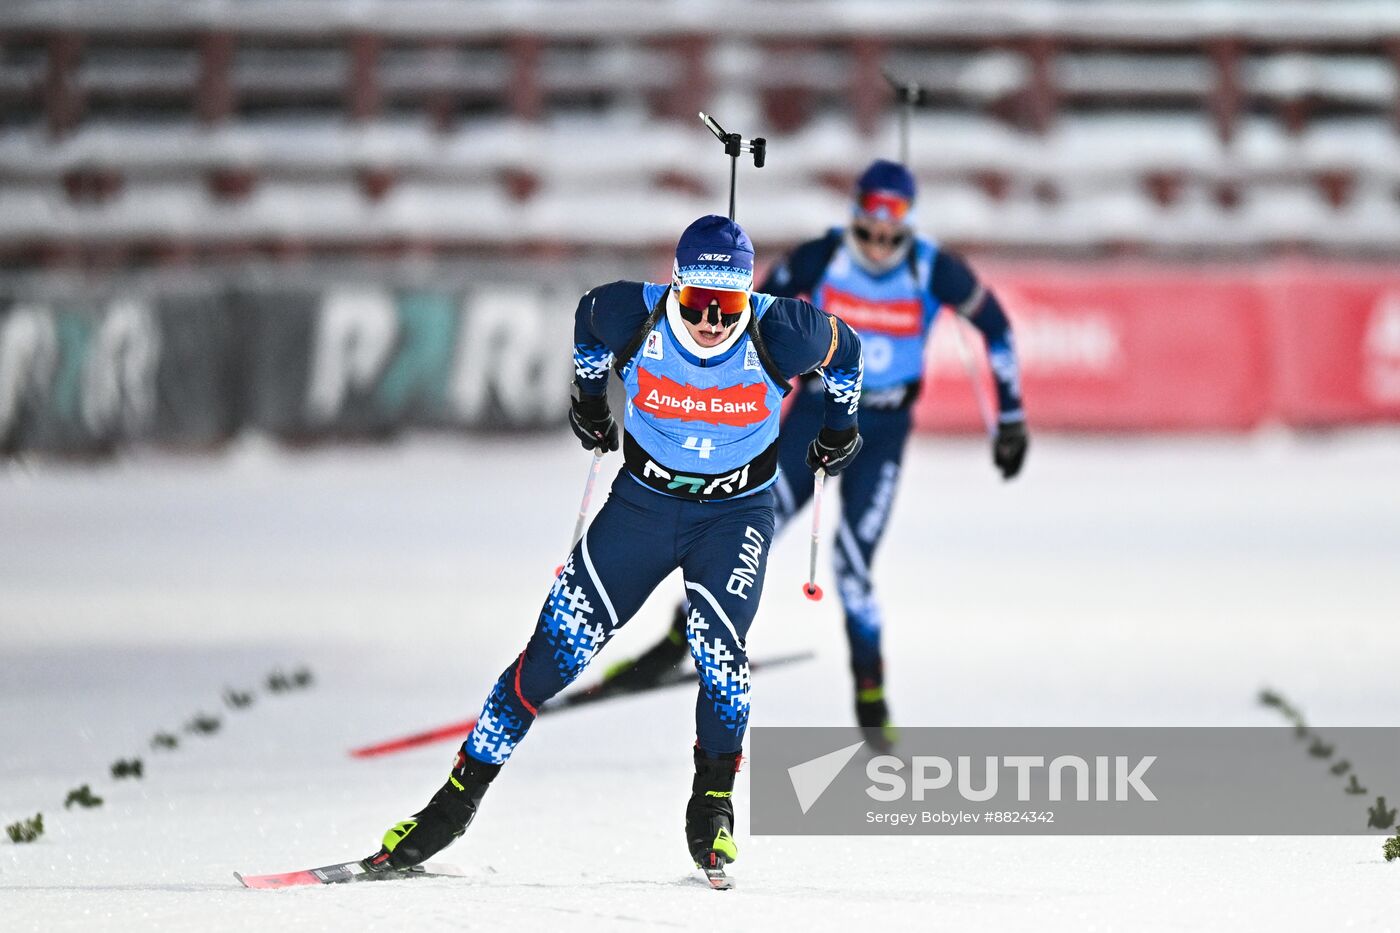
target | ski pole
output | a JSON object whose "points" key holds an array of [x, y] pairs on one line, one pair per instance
{"points": [[982, 407], [734, 145], [810, 588], [593, 471], [911, 95]]}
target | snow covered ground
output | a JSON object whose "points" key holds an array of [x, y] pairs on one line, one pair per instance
{"points": [[1127, 581]]}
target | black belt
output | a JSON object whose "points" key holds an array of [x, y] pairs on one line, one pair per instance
{"points": [[699, 486]]}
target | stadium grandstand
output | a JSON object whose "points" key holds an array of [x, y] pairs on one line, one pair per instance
{"points": [[180, 132]]}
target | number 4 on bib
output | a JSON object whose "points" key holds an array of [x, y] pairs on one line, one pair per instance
{"points": [[702, 446]]}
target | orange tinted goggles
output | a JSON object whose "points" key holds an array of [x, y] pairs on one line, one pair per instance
{"points": [[697, 299], [883, 205]]}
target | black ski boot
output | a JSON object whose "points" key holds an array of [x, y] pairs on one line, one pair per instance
{"points": [[709, 817], [873, 716], [654, 663], [437, 825]]}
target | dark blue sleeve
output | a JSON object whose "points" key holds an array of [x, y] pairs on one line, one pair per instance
{"points": [[606, 319], [953, 283], [802, 339], [797, 275]]}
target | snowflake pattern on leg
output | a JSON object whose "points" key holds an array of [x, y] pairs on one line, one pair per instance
{"points": [[565, 635], [726, 683], [498, 730], [565, 623]]}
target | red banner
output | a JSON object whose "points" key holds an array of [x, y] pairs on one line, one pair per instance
{"points": [[1170, 348], [1337, 345]]}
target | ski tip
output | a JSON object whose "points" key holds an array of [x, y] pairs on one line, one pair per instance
{"points": [[240, 879]]}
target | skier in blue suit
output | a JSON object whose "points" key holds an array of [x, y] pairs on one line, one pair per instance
{"points": [[889, 283], [705, 362]]}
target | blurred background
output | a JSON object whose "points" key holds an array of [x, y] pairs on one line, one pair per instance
{"points": [[323, 219]]}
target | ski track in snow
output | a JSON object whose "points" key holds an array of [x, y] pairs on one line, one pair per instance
{"points": [[1118, 582]]}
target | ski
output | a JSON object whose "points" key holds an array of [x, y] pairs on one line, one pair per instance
{"points": [[603, 690], [343, 873], [718, 880]]}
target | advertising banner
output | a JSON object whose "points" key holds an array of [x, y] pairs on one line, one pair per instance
{"points": [[1115, 350], [1336, 345], [1102, 347]]}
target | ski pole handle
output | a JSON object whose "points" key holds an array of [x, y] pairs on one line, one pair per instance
{"points": [[810, 588], [593, 471]]}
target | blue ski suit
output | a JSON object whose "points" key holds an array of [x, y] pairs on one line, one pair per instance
{"points": [[695, 492], [894, 313]]}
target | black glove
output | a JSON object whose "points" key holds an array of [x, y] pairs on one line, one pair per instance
{"points": [[593, 424], [1009, 449], [833, 451]]}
